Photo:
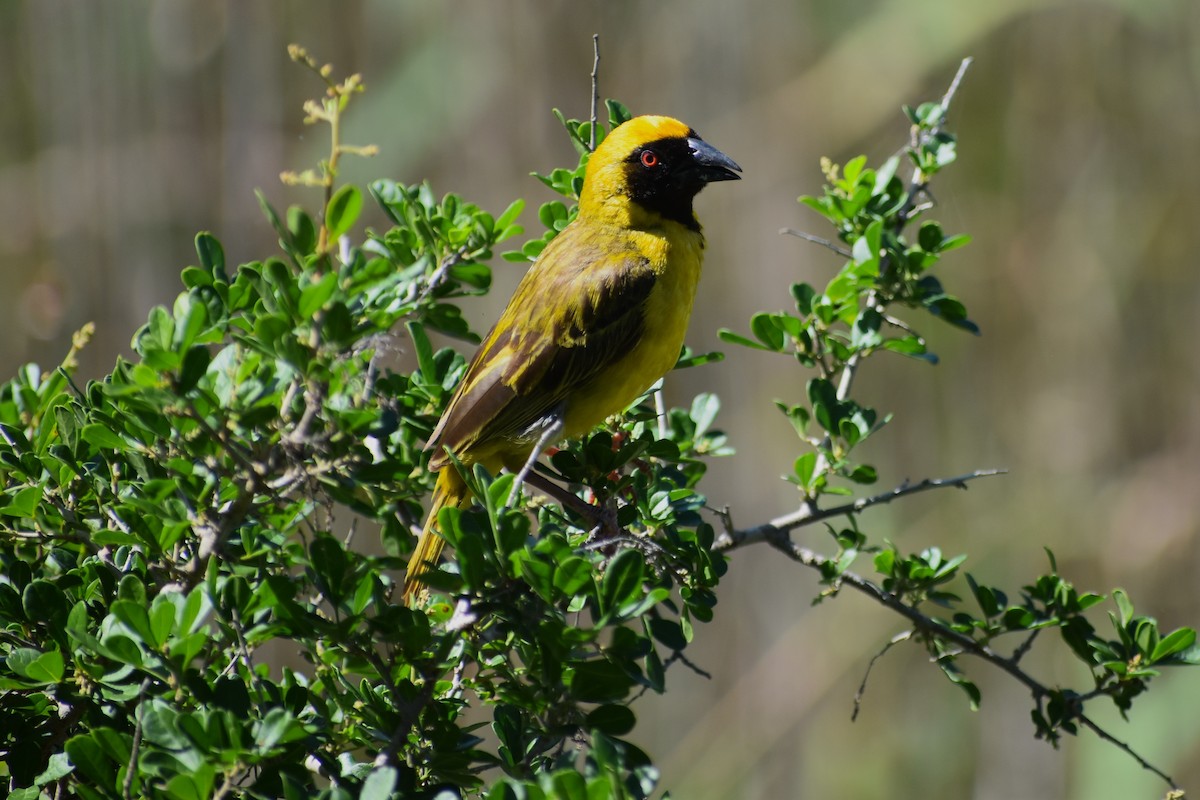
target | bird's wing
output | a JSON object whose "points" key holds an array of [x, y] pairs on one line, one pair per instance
{"points": [[580, 308]]}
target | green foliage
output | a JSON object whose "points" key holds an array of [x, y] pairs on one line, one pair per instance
{"points": [[199, 553], [161, 527], [888, 270]]}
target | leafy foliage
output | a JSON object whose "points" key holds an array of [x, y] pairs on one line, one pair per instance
{"points": [[888, 270], [192, 599]]}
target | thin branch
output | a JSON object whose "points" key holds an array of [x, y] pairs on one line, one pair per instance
{"points": [[896, 322], [965, 643], [808, 514], [660, 413], [410, 713], [136, 745], [826, 243], [595, 86], [948, 97], [1024, 646], [916, 189], [439, 275], [814, 560], [1129, 751], [903, 636]]}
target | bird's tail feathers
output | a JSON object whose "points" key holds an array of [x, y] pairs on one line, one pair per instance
{"points": [[449, 491]]}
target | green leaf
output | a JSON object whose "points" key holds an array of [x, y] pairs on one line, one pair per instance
{"points": [[865, 333], [46, 668], [211, 254], [930, 237], [135, 618], [622, 579], [1124, 606], [424, 351], [1174, 642], [688, 359], [954, 242], [302, 230], [343, 210], [618, 113], [572, 575], [197, 785], [379, 784], [91, 761], [103, 437], [766, 329], [162, 620], [314, 296], [510, 214], [24, 503], [805, 469], [726, 335], [704, 411], [803, 294], [599, 681]]}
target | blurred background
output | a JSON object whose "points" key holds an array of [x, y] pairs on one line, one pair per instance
{"points": [[126, 127]]}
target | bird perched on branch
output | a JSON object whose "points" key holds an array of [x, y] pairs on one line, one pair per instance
{"points": [[598, 318]]}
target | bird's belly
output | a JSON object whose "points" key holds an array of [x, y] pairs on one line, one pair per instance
{"points": [[667, 313]]}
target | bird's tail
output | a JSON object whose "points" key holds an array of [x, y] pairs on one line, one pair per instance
{"points": [[449, 491]]}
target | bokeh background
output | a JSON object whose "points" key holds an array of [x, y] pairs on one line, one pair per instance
{"points": [[125, 127]]}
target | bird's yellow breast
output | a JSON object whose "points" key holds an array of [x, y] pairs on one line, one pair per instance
{"points": [[675, 254]]}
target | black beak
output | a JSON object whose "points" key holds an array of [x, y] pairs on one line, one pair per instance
{"points": [[711, 163]]}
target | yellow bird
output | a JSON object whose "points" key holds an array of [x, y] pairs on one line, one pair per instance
{"points": [[598, 318]]}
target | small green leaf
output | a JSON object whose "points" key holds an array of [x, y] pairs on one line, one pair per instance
{"points": [[424, 351], [1124, 606], [599, 681], [24, 503], [211, 254], [343, 210], [103, 437], [46, 668], [572, 574], [726, 335], [379, 785], [510, 214], [314, 296], [90, 760], [135, 618], [1174, 642], [767, 330], [304, 233], [804, 469], [622, 579], [613, 720]]}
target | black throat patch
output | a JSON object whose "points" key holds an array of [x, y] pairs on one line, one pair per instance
{"points": [[669, 184]]}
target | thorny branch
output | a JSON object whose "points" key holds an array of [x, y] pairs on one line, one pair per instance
{"points": [[933, 628], [809, 514], [776, 534], [595, 87]]}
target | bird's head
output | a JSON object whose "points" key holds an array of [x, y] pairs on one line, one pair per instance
{"points": [[659, 164]]}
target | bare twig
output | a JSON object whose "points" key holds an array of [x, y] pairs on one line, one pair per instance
{"points": [[964, 643], [826, 243], [948, 97], [595, 87], [922, 623], [136, 745], [410, 712], [808, 514], [1024, 646], [1129, 751], [903, 636], [443, 269]]}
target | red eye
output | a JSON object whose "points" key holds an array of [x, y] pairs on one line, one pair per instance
{"points": [[649, 158]]}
